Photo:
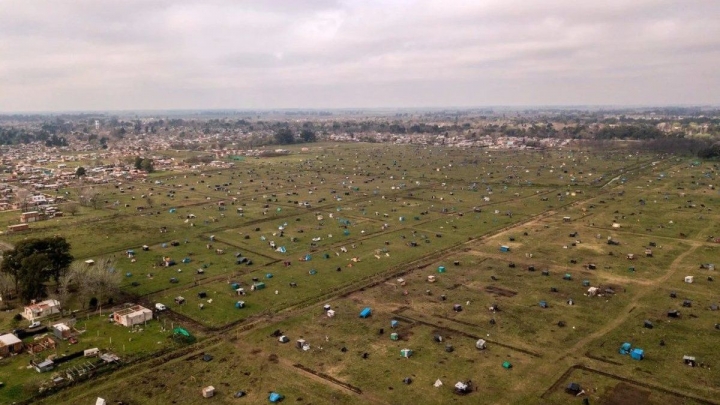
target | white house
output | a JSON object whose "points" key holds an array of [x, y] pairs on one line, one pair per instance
{"points": [[41, 309]]}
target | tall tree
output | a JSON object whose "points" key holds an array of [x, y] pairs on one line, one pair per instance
{"points": [[308, 135], [35, 261], [284, 136]]}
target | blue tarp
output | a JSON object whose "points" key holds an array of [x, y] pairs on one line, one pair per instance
{"points": [[275, 397], [625, 348], [637, 354], [365, 312], [393, 323]]}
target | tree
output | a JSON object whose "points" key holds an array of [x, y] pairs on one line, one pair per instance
{"points": [[71, 208], [98, 281], [284, 136], [308, 135], [138, 162], [80, 172], [89, 197], [35, 261], [7, 287], [147, 165]]}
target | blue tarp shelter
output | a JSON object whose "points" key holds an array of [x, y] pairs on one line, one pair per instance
{"points": [[366, 312], [393, 323], [543, 304], [240, 304], [625, 348], [504, 248], [637, 354], [275, 397], [441, 269]]}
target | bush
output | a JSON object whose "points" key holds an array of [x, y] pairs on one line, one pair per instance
{"points": [[18, 317], [93, 302]]}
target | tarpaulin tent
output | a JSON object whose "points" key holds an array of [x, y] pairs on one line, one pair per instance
{"points": [[366, 312]]}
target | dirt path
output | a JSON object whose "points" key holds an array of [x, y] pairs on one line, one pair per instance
{"points": [[617, 321]]}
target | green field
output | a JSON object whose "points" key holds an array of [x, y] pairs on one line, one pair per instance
{"points": [[366, 226]]}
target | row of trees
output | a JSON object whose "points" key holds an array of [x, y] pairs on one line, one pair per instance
{"points": [[144, 164], [286, 136]]}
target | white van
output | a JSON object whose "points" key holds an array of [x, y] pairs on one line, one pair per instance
{"points": [[160, 307]]}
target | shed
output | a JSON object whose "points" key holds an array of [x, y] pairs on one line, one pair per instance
{"points": [[208, 391], [61, 331], [10, 343], [44, 366], [637, 354], [134, 315], [366, 312]]}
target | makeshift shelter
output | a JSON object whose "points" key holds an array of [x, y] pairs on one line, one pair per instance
{"points": [[573, 388], [543, 304], [300, 343], [394, 323], [690, 361], [283, 339], [240, 304], [673, 313], [648, 325], [504, 248], [480, 344], [441, 269], [406, 353], [507, 365], [637, 354], [625, 348], [275, 397], [257, 286], [330, 313], [431, 279], [394, 336], [366, 312], [437, 383], [208, 391]]}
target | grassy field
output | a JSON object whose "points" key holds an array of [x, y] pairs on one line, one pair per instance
{"points": [[366, 226]]}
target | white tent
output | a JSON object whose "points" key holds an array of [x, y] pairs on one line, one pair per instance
{"points": [[438, 383]]}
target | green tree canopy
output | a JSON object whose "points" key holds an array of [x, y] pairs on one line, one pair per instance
{"points": [[35, 261], [284, 136], [308, 135], [80, 171]]}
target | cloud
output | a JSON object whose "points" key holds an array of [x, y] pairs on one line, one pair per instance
{"points": [[133, 54]]}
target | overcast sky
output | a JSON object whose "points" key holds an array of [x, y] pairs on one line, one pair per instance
{"points": [[60, 55]]}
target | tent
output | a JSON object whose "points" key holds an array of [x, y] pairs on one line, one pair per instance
{"points": [[283, 339], [504, 248], [257, 286], [394, 336], [543, 304], [240, 304], [393, 323], [437, 383], [573, 388], [625, 348], [441, 269], [366, 312], [275, 397], [406, 353], [480, 344], [637, 354], [507, 365]]}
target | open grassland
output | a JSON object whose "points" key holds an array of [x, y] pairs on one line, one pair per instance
{"points": [[410, 232]]}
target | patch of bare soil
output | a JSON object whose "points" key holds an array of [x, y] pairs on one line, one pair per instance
{"points": [[498, 291], [626, 394]]}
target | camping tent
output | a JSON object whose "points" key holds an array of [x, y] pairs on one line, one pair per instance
{"points": [[366, 312], [625, 348], [637, 354], [406, 352]]}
